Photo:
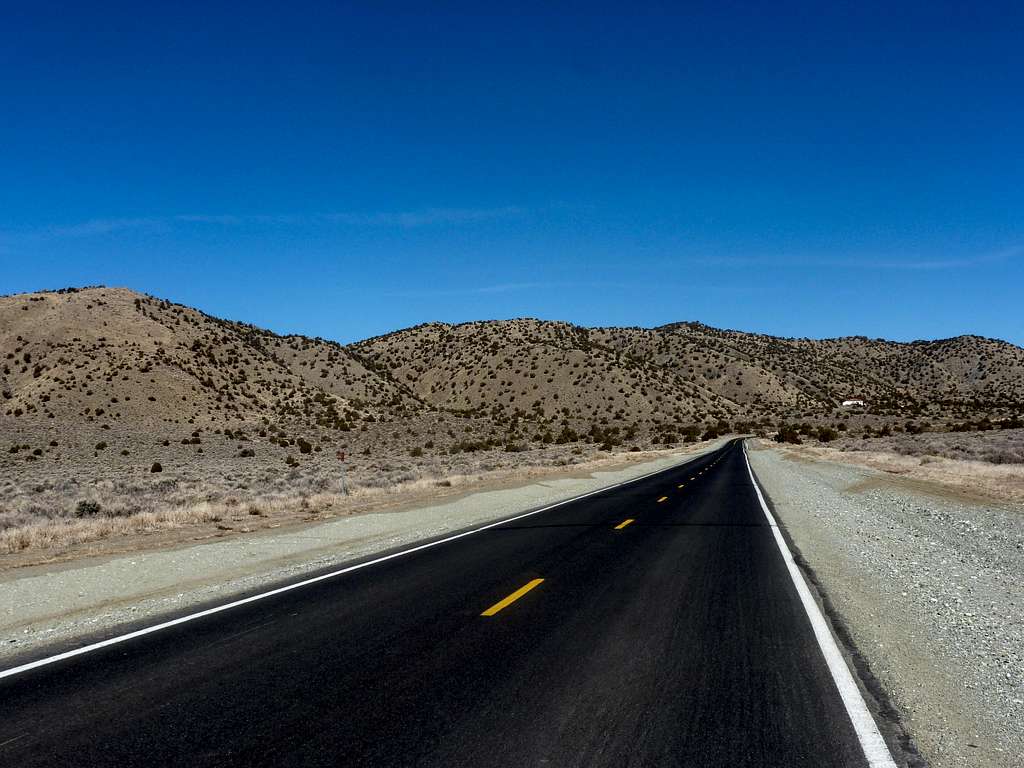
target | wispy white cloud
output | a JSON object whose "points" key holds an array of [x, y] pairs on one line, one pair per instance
{"points": [[430, 216], [478, 290], [383, 219], [569, 285], [868, 262], [93, 227]]}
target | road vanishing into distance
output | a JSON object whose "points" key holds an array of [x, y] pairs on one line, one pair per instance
{"points": [[654, 623]]}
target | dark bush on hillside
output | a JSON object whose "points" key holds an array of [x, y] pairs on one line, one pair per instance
{"points": [[416, 452], [787, 434], [691, 434], [304, 445], [156, 467], [567, 435], [827, 434], [87, 508]]}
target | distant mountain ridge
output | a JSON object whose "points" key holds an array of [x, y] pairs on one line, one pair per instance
{"points": [[84, 354]]}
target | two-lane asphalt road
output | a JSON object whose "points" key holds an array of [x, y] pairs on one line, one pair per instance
{"points": [[656, 623]]}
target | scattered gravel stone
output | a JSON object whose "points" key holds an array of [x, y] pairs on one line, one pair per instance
{"points": [[931, 590]]}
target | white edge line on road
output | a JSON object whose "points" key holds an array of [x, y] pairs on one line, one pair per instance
{"points": [[875, 749], [323, 577]]}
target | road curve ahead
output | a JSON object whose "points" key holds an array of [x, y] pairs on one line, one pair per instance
{"points": [[652, 624]]}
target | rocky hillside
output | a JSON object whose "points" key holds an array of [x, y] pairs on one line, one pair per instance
{"points": [[113, 355], [541, 371], [103, 358], [771, 375]]}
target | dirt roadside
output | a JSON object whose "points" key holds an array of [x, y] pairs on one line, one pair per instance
{"points": [[926, 578]]}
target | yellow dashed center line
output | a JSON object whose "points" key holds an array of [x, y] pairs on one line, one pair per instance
{"points": [[623, 524], [511, 598], [681, 485], [663, 498]]}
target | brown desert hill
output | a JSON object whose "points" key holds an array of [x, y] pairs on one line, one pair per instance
{"points": [[772, 375], [96, 359], [540, 370], [104, 354]]}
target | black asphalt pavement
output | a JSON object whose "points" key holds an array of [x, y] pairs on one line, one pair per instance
{"points": [[677, 640]]}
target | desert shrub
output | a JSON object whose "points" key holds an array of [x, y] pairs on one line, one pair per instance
{"points": [[787, 434], [247, 453], [416, 452], [156, 467], [514, 448], [100, 446], [1003, 456], [291, 461], [304, 445], [567, 435], [827, 434], [87, 508]]}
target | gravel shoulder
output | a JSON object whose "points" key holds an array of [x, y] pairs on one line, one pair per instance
{"points": [[57, 603], [929, 585]]}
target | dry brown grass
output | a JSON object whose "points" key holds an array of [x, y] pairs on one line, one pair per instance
{"points": [[1004, 482], [63, 533], [1005, 446], [217, 498]]}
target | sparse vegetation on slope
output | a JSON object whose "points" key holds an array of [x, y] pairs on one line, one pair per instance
{"points": [[104, 385]]}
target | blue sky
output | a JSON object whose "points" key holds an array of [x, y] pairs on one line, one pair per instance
{"points": [[344, 170]]}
